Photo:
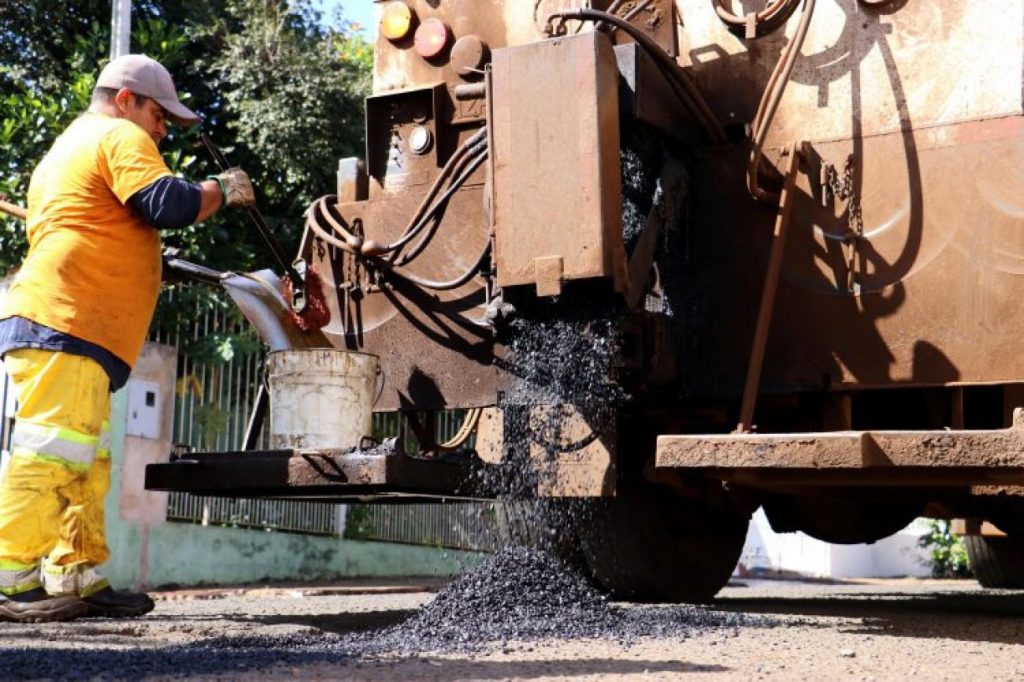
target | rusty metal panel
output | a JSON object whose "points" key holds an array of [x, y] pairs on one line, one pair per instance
{"points": [[319, 474], [646, 96], [435, 351], [935, 273], [499, 24], [846, 450], [391, 163], [866, 70], [571, 456], [656, 18], [968, 456], [555, 161], [568, 456], [974, 527]]}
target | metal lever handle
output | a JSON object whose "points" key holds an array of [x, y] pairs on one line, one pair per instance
{"points": [[298, 281]]}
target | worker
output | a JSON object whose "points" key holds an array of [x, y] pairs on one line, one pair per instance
{"points": [[72, 324]]}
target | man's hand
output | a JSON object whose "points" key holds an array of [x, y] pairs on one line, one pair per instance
{"points": [[237, 189]]}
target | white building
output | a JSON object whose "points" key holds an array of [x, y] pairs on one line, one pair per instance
{"points": [[769, 553]]}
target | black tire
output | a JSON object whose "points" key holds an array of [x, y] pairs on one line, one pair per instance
{"points": [[857, 517], [996, 561], [655, 546]]}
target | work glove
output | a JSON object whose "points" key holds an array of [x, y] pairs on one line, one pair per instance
{"points": [[236, 188]]}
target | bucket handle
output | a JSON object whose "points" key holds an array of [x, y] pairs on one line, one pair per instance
{"points": [[380, 380]]}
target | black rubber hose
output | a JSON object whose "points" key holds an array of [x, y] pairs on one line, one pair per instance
{"points": [[669, 67], [433, 210]]}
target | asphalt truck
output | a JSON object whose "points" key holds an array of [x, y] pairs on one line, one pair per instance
{"points": [[672, 262]]}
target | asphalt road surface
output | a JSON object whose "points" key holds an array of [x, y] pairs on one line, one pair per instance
{"points": [[860, 631]]}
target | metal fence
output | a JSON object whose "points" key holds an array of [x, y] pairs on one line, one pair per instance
{"points": [[453, 525], [217, 379]]}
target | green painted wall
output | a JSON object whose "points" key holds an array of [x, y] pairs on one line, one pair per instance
{"points": [[188, 555]]}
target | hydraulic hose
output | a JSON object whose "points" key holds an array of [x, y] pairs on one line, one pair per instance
{"points": [[321, 210], [442, 286], [321, 207], [356, 245], [472, 159], [668, 66], [766, 21], [769, 104], [432, 212], [469, 147]]}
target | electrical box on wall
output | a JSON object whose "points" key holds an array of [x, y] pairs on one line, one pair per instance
{"points": [[143, 409]]}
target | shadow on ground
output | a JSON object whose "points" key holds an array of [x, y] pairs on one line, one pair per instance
{"points": [[186, 661], [899, 614]]}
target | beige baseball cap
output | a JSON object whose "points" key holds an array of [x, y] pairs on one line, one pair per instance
{"points": [[145, 76]]}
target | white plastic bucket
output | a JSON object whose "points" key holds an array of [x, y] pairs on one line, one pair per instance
{"points": [[320, 398]]}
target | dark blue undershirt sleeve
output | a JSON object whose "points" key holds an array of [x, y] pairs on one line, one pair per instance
{"points": [[170, 203]]}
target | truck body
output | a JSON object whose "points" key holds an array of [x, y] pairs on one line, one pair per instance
{"points": [[679, 260]]}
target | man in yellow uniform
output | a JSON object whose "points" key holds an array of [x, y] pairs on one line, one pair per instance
{"points": [[72, 325]]}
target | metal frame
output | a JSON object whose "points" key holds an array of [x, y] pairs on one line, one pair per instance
{"points": [[904, 458], [382, 472]]}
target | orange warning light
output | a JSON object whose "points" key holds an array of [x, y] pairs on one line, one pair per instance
{"points": [[396, 20]]}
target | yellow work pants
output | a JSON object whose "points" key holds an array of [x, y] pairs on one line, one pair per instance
{"points": [[52, 495]]}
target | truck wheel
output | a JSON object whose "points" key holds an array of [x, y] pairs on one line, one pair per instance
{"points": [[851, 519], [996, 561], [653, 546]]}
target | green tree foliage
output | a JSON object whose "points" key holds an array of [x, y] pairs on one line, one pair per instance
{"points": [[947, 555], [280, 91], [292, 90]]}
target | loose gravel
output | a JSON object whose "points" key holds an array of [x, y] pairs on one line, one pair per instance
{"points": [[512, 602], [523, 595]]}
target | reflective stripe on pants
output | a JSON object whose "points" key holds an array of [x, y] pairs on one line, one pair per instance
{"points": [[15, 578], [51, 497], [81, 579], [72, 448]]}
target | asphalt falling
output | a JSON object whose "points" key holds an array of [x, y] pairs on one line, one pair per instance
{"points": [[561, 353]]}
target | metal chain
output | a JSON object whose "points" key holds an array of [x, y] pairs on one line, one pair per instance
{"points": [[844, 189]]}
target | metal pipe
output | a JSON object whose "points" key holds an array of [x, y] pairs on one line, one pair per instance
{"points": [[13, 209], [298, 283], [770, 104], [771, 286], [193, 271], [768, 19]]}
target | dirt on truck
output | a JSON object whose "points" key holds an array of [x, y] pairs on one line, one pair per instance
{"points": [[673, 262]]}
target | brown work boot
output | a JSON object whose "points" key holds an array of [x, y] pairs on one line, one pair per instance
{"points": [[36, 606], [109, 603]]}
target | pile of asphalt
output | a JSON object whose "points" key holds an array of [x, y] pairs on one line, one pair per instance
{"points": [[515, 600], [522, 596]]}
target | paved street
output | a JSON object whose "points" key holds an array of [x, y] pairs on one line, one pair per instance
{"points": [[865, 631]]}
